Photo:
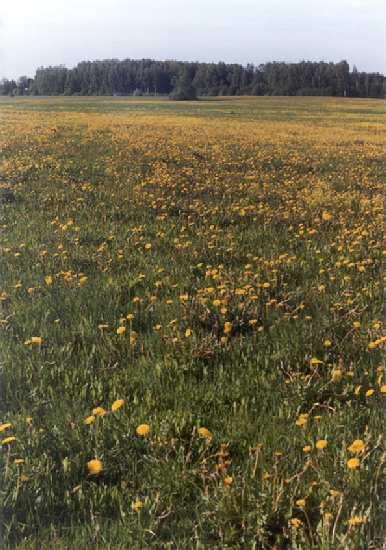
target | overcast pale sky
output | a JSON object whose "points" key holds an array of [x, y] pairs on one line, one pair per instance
{"points": [[53, 32]]}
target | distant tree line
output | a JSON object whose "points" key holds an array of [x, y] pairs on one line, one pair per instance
{"points": [[186, 80]]}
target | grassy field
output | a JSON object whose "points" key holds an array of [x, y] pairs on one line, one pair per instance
{"points": [[191, 323]]}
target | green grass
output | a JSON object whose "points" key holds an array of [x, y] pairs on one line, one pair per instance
{"points": [[265, 213]]}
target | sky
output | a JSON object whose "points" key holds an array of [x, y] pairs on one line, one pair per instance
{"points": [[37, 33]]}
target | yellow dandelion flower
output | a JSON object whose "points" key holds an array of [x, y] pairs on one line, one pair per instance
{"points": [[315, 361], [136, 505], [321, 444], [307, 448], [326, 216], [301, 502], [99, 411], [227, 327], [301, 420], [121, 330], [48, 280], [369, 393], [336, 375], [118, 403], [5, 426], [327, 343], [188, 332], [355, 520], [143, 430], [228, 480], [383, 389], [296, 522], [36, 340], [353, 463], [94, 467], [89, 420], [205, 433], [356, 446], [7, 440]]}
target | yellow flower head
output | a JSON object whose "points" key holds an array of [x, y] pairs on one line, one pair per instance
{"points": [[302, 419], [321, 444], [336, 375], [117, 404], [227, 327], [205, 433], [121, 330], [296, 522], [356, 446], [99, 411], [143, 430], [228, 480], [5, 426], [326, 216], [353, 463], [136, 505], [89, 420], [94, 467], [355, 520], [7, 440]]}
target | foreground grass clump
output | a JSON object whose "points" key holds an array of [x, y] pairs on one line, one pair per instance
{"points": [[191, 326]]}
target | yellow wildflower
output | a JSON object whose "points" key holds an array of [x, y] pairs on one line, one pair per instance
{"points": [[118, 403], [205, 433], [7, 440], [227, 327], [356, 446], [143, 430], [5, 426], [94, 467], [136, 505], [99, 411], [353, 463]]}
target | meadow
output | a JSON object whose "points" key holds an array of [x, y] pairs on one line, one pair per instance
{"points": [[191, 323]]}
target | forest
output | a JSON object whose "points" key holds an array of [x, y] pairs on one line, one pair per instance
{"points": [[188, 80]]}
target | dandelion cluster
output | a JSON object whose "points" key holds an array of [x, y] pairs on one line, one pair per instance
{"points": [[191, 319]]}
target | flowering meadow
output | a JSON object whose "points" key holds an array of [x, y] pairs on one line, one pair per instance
{"points": [[191, 323]]}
